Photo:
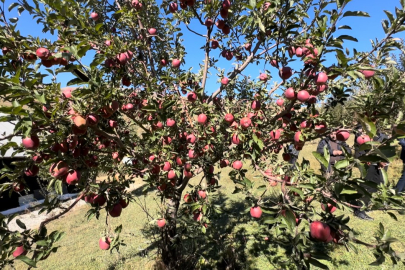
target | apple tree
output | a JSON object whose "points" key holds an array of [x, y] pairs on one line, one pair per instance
{"points": [[134, 96]]}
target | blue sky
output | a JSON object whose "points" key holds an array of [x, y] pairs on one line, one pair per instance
{"points": [[364, 29]]}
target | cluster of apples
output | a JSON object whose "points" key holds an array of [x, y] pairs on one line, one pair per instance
{"points": [[48, 59], [117, 204]]}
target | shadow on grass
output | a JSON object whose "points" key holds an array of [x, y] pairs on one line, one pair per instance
{"points": [[232, 239]]}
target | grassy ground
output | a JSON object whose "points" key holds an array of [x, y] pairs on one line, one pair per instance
{"points": [[79, 248]]}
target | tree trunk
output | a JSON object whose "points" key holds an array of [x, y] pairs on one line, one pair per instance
{"points": [[169, 244]]}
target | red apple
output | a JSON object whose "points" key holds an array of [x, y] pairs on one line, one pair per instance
{"points": [[202, 119], [202, 194], [43, 53], [321, 78], [59, 169], [329, 208], [285, 73], [363, 139], [290, 94], [31, 143], [303, 95], [280, 102], [161, 222], [99, 199], [171, 175], [31, 171], [116, 210], [368, 73], [237, 165], [94, 16], [224, 163], [320, 231], [256, 212], [224, 80], [342, 135], [104, 243], [245, 122], [176, 63], [67, 92], [255, 105], [73, 177], [214, 44], [173, 7], [220, 24], [235, 139], [226, 29], [19, 251], [275, 135], [152, 31], [192, 96], [92, 119], [191, 138]]}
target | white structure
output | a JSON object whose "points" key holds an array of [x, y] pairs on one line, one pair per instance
{"points": [[6, 129]]}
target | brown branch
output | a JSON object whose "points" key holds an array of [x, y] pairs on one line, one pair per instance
{"points": [[46, 221], [275, 88], [207, 58], [235, 72], [198, 34]]}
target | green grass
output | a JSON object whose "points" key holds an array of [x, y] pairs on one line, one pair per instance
{"points": [[79, 248]]}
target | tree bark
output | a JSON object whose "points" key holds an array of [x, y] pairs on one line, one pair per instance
{"points": [[169, 242]]}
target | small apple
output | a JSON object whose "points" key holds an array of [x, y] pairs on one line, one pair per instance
{"points": [[237, 165], [104, 243], [161, 222], [256, 212]]}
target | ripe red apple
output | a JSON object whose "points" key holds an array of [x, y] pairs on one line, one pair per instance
{"points": [[280, 101], [235, 139], [152, 31], [368, 73], [173, 7], [329, 208], [73, 177], [31, 171], [19, 251], [187, 198], [191, 138], [237, 165], [92, 119], [255, 105], [220, 24], [274, 63], [202, 119], [136, 4], [116, 210], [94, 16], [226, 29], [285, 73], [161, 222], [306, 124], [99, 199], [297, 137], [290, 93], [209, 22], [321, 78], [342, 135], [303, 95], [256, 212], [59, 169], [104, 243], [176, 63], [171, 175], [275, 135], [286, 157], [224, 163], [18, 187], [163, 62], [167, 166], [43, 53], [197, 216], [320, 231], [202, 194], [31, 143], [37, 159], [67, 91], [224, 80], [187, 174], [363, 139], [80, 122], [245, 122], [229, 118], [214, 44], [192, 96], [263, 77]]}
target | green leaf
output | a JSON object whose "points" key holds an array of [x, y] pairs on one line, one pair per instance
{"points": [[261, 26], [289, 219], [27, 261], [42, 243], [13, 5], [320, 158], [347, 37], [342, 164], [252, 3], [261, 188], [20, 224], [385, 176], [339, 3], [317, 263], [356, 13], [348, 190], [392, 215], [390, 16], [368, 126]]}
